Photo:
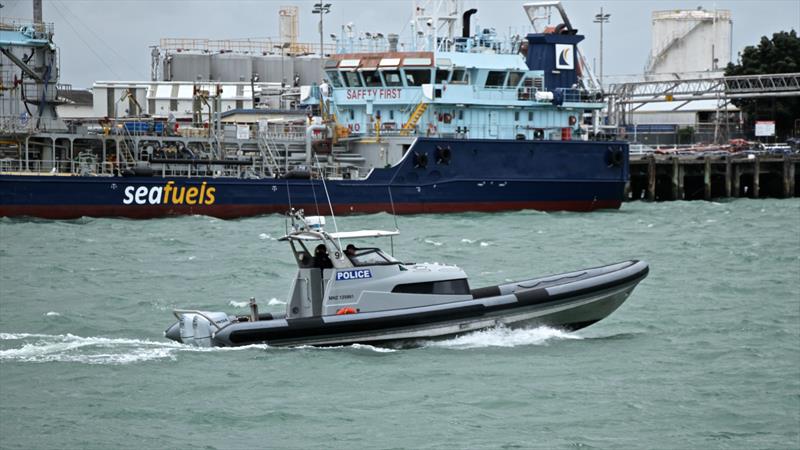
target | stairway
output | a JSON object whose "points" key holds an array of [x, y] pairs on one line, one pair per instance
{"points": [[414, 118]]}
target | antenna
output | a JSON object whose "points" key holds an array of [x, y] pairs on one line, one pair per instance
{"points": [[333, 216], [394, 215]]}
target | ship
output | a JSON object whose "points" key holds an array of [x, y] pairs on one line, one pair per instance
{"points": [[446, 123]]}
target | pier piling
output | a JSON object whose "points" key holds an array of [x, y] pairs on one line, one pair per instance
{"points": [[690, 177]]}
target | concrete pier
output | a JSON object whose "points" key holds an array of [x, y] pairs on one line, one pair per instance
{"points": [[689, 177]]}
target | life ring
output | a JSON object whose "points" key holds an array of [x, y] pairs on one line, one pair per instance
{"points": [[431, 129], [346, 310], [420, 160], [443, 155], [616, 156]]}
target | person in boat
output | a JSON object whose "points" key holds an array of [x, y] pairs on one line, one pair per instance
{"points": [[321, 258], [350, 250]]}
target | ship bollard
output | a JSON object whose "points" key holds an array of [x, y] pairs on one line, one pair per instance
{"points": [[253, 310]]}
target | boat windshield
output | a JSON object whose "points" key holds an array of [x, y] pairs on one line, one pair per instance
{"points": [[370, 257]]}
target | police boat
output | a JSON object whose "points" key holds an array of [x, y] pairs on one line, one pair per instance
{"points": [[349, 295]]}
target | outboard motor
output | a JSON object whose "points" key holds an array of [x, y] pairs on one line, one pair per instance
{"points": [[196, 329]]}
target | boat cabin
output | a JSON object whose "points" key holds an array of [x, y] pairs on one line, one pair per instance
{"points": [[338, 278]]}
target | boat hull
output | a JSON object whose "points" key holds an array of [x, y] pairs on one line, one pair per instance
{"points": [[569, 301], [480, 175]]}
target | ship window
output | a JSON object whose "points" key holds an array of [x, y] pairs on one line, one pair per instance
{"points": [[371, 78], [351, 79], [336, 81], [530, 116], [446, 287], [495, 78], [392, 78], [514, 79], [391, 114], [516, 116], [459, 76], [461, 115], [417, 77], [442, 75]]}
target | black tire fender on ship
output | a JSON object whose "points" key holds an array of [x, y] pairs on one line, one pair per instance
{"points": [[443, 155], [420, 160], [538, 134], [616, 157]]}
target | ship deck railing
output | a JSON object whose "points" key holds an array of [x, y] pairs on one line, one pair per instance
{"points": [[55, 167]]}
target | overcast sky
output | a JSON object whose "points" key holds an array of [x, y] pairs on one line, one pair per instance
{"points": [[109, 39]]}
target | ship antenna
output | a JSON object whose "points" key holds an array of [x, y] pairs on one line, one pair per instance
{"points": [[394, 213], [333, 216]]}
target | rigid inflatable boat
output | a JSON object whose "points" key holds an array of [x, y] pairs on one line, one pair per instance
{"points": [[363, 295]]}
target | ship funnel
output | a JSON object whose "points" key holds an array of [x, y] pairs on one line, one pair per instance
{"points": [[392, 38], [465, 22]]}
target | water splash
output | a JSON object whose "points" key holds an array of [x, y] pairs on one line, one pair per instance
{"points": [[504, 337], [236, 304], [432, 242], [41, 348], [274, 301]]}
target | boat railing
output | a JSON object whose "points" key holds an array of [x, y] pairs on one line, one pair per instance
{"points": [[57, 167]]}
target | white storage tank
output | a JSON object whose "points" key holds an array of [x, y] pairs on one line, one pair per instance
{"points": [[269, 69], [231, 67], [187, 67], [690, 41], [308, 67]]}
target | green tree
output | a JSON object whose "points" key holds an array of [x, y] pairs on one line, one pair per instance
{"points": [[781, 54]]}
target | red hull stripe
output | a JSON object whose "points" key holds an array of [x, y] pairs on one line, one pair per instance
{"points": [[233, 211]]}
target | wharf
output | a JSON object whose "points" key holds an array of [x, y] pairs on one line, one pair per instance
{"points": [[691, 177]]}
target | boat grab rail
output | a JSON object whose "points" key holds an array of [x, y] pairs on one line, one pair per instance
{"points": [[178, 312]]}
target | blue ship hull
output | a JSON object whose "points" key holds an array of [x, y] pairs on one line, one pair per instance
{"points": [[479, 175]]}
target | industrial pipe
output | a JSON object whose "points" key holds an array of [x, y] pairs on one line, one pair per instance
{"points": [[309, 130]]}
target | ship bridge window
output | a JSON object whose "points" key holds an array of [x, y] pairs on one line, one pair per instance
{"points": [[459, 76], [445, 287], [392, 78], [442, 75], [416, 77], [371, 78], [336, 80], [514, 78], [351, 79], [496, 78]]}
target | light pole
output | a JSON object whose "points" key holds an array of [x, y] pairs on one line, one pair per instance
{"points": [[283, 48], [321, 9], [601, 19]]}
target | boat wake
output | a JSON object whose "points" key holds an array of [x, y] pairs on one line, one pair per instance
{"points": [[504, 337], [41, 348]]}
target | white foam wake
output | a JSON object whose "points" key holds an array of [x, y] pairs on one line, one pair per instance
{"points": [[94, 350], [504, 337]]}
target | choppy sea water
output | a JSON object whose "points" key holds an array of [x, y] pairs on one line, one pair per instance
{"points": [[704, 354]]}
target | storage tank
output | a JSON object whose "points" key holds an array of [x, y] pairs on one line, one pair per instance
{"points": [[308, 67], [231, 67], [269, 68], [690, 41], [187, 67]]}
